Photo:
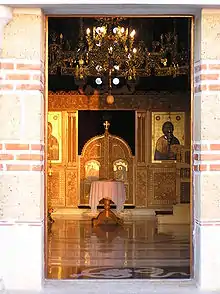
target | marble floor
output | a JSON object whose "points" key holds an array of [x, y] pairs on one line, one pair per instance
{"points": [[139, 249]]}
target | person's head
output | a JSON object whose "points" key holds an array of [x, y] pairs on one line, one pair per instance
{"points": [[167, 128], [49, 128]]}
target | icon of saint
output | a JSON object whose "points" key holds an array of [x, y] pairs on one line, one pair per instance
{"points": [[53, 145], [92, 170], [167, 145]]}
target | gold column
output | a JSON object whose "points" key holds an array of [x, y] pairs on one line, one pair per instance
{"points": [[141, 137], [141, 168], [106, 155], [71, 169], [72, 137]]}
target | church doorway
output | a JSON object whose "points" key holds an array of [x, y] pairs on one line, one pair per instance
{"points": [[119, 119]]}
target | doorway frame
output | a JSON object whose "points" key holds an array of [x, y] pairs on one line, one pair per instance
{"points": [[189, 281]]}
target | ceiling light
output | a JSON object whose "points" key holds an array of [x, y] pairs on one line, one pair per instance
{"points": [[116, 81], [98, 81]]}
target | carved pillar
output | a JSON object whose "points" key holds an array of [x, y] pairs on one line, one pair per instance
{"points": [[71, 171], [72, 148], [141, 137], [141, 169], [106, 155]]}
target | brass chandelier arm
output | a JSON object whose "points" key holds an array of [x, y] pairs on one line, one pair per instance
{"points": [[111, 49]]}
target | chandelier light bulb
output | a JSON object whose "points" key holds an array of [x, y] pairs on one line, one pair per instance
{"points": [[110, 50], [115, 30], [134, 50], [116, 67], [116, 81], [132, 34], [122, 30], [98, 68], [88, 31], [98, 81], [98, 29]]}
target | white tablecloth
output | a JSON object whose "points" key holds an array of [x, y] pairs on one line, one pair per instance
{"points": [[107, 189]]}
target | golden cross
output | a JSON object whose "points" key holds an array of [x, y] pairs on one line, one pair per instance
{"points": [[106, 125]]}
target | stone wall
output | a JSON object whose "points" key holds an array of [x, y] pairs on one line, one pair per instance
{"points": [[22, 150], [206, 146]]}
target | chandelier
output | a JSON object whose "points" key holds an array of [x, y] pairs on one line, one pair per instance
{"points": [[110, 50]]}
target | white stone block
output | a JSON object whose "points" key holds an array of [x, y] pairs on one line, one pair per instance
{"points": [[206, 256], [22, 256]]}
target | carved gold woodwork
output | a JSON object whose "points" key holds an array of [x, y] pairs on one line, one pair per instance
{"points": [[106, 157], [141, 137], [63, 182], [162, 185], [72, 137], [70, 183], [141, 187], [71, 188], [183, 176], [68, 101], [56, 188], [55, 136]]}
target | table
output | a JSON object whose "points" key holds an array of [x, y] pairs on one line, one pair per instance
{"points": [[107, 190], [112, 190]]}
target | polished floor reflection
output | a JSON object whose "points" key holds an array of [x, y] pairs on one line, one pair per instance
{"points": [[140, 249]]}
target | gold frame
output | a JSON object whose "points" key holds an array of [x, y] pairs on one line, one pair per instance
{"points": [[157, 129], [56, 120], [192, 23]]}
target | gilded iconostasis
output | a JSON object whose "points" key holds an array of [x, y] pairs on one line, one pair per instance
{"points": [[149, 114]]}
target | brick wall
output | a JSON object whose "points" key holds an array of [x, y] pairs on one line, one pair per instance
{"points": [[206, 156], [22, 150], [207, 75], [21, 77]]}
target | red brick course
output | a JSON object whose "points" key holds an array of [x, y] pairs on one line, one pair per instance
{"points": [[30, 157], [206, 157], [208, 81], [21, 76]]}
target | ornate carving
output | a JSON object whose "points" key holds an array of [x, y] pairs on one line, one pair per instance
{"points": [[118, 151], [92, 148], [183, 179], [56, 189], [112, 158], [141, 135], [72, 137], [71, 188], [165, 186], [141, 196], [162, 185], [139, 100], [185, 192]]}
